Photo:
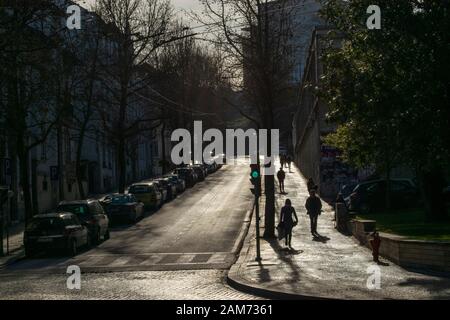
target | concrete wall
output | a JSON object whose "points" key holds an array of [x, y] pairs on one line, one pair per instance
{"points": [[418, 254]]}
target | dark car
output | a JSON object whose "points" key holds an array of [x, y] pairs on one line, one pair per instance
{"points": [[199, 171], [187, 174], [347, 189], [170, 187], [371, 195], [123, 207], [55, 231], [180, 183], [91, 214], [162, 189]]}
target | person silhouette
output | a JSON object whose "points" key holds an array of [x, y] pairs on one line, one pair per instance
{"points": [[289, 161], [313, 209], [281, 175], [287, 216]]}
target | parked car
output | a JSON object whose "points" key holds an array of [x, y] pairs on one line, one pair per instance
{"points": [[347, 189], [199, 171], [187, 174], [371, 195], [179, 183], [147, 193], [124, 207], [91, 214], [162, 189], [170, 187], [55, 231]]}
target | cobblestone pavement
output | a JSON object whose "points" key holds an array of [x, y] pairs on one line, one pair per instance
{"points": [[182, 251], [332, 267], [154, 285]]}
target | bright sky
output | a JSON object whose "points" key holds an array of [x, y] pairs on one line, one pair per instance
{"points": [[178, 4]]}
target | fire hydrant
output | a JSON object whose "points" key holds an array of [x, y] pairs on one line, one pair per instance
{"points": [[375, 243]]}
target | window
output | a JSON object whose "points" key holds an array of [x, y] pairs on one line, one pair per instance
{"points": [[69, 187]]}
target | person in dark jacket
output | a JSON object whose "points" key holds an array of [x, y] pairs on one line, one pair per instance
{"points": [[287, 221], [281, 175], [289, 161], [313, 209]]}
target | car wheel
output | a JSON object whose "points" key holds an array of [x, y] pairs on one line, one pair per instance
{"points": [[72, 250], [97, 237], [107, 235], [29, 253]]}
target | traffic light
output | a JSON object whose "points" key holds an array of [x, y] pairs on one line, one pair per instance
{"points": [[255, 179]]}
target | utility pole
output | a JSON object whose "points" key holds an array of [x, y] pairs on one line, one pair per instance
{"points": [[256, 190]]}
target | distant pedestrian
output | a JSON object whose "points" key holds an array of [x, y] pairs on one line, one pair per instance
{"points": [[282, 160], [313, 209], [375, 244], [289, 161], [310, 184], [281, 175], [287, 222]]}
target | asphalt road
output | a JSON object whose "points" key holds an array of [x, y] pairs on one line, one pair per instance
{"points": [[198, 232]]}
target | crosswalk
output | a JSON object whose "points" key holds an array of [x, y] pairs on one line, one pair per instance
{"points": [[129, 262]]}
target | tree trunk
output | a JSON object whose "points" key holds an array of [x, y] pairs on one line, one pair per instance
{"points": [[59, 146], [121, 164], [269, 191], [14, 175], [163, 149], [24, 177], [432, 184], [34, 187], [388, 188], [78, 168]]}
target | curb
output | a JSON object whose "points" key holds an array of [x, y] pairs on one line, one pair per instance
{"points": [[244, 231], [8, 260]]}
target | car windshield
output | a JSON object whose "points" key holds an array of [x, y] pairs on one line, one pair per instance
{"points": [[48, 224], [119, 199], [138, 189], [81, 210]]}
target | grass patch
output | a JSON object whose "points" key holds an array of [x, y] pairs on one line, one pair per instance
{"points": [[410, 223]]}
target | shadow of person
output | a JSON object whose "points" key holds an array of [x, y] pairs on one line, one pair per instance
{"points": [[320, 238], [295, 252]]}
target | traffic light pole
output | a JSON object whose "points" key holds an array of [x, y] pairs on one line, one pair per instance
{"points": [[258, 247], [256, 190]]}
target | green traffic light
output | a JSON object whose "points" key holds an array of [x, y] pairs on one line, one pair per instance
{"points": [[255, 174]]}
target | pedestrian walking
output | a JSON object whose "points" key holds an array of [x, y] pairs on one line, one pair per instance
{"points": [[281, 175], [287, 222], [310, 184], [289, 161], [375, 243], [282, 160], [313, 209]]}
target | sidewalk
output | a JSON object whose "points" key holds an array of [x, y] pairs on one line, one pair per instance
{"points": [[15, 244], [331, 269]]}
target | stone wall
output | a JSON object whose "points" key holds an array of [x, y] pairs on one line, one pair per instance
{"points": [[419, 254]]}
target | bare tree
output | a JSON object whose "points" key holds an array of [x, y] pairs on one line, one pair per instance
{"points": [[142, 27], [255, 38], [26, 98]]}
